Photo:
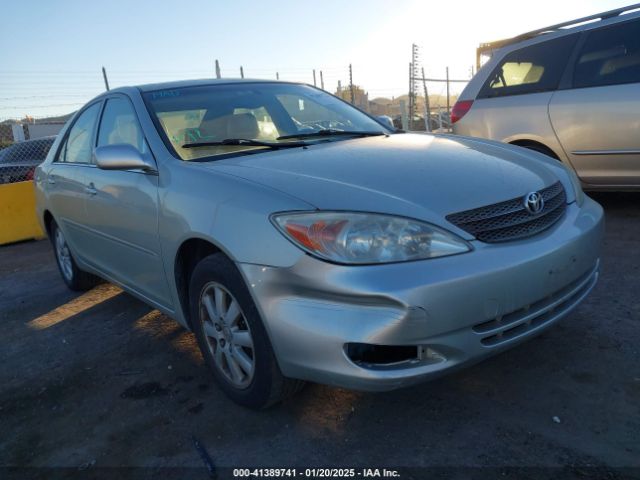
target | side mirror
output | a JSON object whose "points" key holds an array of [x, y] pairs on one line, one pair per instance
{"points": [[122, 157], [386, 121]]}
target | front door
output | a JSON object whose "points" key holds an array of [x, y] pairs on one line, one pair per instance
{"points": [[122, 210]]}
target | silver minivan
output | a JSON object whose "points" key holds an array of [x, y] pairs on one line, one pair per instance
{"points": [[571, 93]]}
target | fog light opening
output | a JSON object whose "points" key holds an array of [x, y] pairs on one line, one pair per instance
{"points": [[368, 354]]}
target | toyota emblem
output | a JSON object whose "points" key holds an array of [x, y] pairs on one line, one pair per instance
{"points": [[533, 202]]}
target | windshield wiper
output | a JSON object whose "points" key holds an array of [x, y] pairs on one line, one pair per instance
{"points": [[245, 141], [329, 132]]}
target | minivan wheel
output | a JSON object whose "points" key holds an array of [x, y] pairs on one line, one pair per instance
{"points": [[75, 278], [232, 337]]}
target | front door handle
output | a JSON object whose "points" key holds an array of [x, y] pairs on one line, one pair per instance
{"points": [[91, 189], [51, 180]]}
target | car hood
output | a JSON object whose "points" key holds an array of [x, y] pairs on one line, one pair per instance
{"points": [[414, 175]]}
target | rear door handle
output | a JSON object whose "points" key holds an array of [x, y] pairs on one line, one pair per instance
{"points": [[91, 189]]}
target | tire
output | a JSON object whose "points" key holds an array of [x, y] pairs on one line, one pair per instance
{"points": [[76, 279], [232, 337]]}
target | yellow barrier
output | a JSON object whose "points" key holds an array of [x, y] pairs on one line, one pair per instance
{"points": [[18, 213]]}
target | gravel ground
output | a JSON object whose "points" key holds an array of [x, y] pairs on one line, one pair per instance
{"points": [[102, 380]]}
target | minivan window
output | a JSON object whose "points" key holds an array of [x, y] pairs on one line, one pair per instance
{"points": [[610, 56], [77, 147], [532, 69], [119, 125]]}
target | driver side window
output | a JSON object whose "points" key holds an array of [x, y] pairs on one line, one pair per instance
{"points": [[119, 125]]}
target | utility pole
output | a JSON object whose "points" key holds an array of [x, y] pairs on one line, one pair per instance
{"points": [[241, 72], [321, 80], [413, 84], [353, 99], [277, 76], [314, 77], [427, 110], [339, 88], [448, 109], [410, 114], [106, 82], [217, 69]]}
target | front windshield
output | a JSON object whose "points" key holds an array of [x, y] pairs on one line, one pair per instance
{"points": [[262, 112]]}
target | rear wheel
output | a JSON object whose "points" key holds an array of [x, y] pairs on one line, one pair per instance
{"points": [[232, 338], [536, 147], [75, 278]]}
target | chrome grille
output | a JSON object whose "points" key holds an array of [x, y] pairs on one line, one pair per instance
{"points": [[509, 220]]}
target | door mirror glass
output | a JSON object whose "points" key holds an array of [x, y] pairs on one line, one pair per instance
{"points": [[122, 157]]}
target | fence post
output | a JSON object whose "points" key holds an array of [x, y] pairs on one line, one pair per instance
{"points": [[241, 72], [448, 108], [321, 80], [217, 69], [403, 115], [353, 100], [427, 115]]}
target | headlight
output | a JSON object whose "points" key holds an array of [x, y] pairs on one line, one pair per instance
{"points": [[365, 238], [576, 186]]}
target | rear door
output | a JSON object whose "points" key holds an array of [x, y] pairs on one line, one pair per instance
{"points": [[122, 210], [65, 182], [598, 120]]}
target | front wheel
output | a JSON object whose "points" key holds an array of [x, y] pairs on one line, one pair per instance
{"points": [[232, 338], [75, 278]]}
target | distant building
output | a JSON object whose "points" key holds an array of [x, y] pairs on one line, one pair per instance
{"points": [[360, 97]]}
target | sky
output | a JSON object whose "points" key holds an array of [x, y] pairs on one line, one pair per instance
{"points": [[53, 50]]}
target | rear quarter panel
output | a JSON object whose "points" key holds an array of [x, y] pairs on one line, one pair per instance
{"points": [[512, 118]]}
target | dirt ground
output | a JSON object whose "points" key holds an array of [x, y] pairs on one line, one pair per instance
{"points": [[102, 380]]}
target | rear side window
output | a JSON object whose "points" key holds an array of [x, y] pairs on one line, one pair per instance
{"points": [[537, 68], [77, 147], [610, 56]]}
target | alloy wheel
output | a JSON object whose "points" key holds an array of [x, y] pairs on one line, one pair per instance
{"points": [[228, 334], [63, 255]]}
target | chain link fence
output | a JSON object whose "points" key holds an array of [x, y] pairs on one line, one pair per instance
{"points": [[19, 160]]}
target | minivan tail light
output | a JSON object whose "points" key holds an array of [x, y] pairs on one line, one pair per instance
{"points": [[460, 109]]}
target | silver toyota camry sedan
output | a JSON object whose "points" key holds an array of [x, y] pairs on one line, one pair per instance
{"points": [[301, 239]]}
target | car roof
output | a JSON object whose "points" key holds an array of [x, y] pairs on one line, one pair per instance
{"points": [[501, 47], [202, 82]]}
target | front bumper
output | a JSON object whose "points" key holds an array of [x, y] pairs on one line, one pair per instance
{"points": [[456, 309]]}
